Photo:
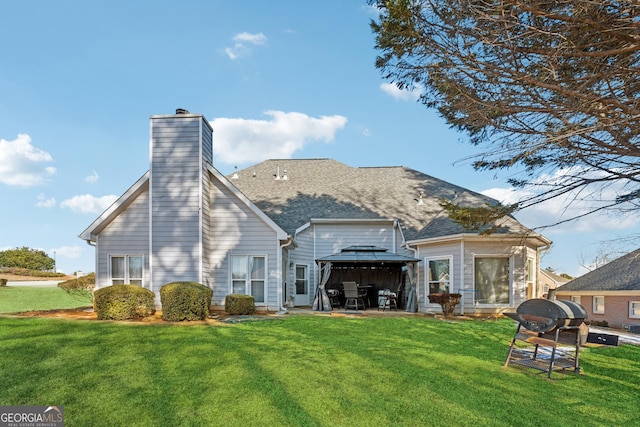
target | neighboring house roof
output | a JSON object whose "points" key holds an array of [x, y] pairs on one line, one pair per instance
{"points": [[292, 192], [622, 274], [551, 279], [367, 254]]}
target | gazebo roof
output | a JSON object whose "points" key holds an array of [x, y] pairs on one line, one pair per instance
{"points": [[366, 255]]}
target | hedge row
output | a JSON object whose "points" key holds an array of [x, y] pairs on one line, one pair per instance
{"points": [[180, 301]]}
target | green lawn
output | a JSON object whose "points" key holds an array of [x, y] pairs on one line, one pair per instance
{"points": [[305, 371], [15, 299]]}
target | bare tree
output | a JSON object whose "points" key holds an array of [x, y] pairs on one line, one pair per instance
{"points": [[546, 87], [606, 251]]}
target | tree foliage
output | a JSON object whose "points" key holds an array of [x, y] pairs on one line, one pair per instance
{"points": [[32, 259], [543, 86]]}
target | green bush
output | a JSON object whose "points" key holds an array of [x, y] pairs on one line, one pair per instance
{"points": [[30, 273], [120, 302], [185, 301], [239, 304], [3, 282], [82, 286]]}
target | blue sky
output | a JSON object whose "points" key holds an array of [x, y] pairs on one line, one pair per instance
{"points": [[280, 79]]}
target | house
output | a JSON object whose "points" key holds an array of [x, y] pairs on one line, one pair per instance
{"points": [[610, 293], [284, 231], [548, 280]]}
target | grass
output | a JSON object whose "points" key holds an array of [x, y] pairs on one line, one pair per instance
{"points": [[305, 371], [14, 299]]}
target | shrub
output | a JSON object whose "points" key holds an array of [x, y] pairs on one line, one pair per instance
{"points": [[185, 301], [237, 304], [31, 273], [446, 300], [82, 286], [3, 282], [120, 302], [601, 323]]}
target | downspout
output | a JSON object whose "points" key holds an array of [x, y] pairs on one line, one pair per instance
{"points": [[287, 243], [395, 228]]}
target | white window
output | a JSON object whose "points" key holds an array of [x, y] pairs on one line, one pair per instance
{"points": [[248, 276], [598, 304], [127, 269], [492, 280], [634, 309], [576, 299], [439, 276]]}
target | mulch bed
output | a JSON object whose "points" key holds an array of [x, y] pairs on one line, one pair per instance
{"points": [[88, 314]]}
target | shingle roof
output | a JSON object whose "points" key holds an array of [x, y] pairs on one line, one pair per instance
{"points": [[326, 188], [622, 274]]}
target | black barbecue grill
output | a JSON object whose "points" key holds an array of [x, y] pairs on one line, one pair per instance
{"points": [[544, 322]]}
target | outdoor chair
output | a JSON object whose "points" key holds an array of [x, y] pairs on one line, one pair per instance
{"points": [[353, 298], [387, 298], [334, 297]]}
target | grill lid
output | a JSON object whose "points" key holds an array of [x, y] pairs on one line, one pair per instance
{"points": [[543, 315]]}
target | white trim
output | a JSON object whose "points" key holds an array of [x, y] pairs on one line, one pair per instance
{"points": [[200, 203], [594, 304], [307, 271], [522, 239], [126, 279], [426, 276], [621, 293], [511, 284], [150, 205], [462, 277], [302, 228], [350, 221], [247, 281], [631, 315]]}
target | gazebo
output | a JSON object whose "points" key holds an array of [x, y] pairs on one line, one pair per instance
{"points": [[372, 266]]}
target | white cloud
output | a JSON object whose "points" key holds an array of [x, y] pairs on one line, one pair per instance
{"points": [[401, 94], [21, 163], [239, 141], [93, 178], [569, 205], [86, 203], [43, 202], [243, 43], [68, 251]]}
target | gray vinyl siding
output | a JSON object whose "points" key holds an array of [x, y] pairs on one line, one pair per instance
{"points": [[458, 282], [464, 282], [176, 177], [127, 234], [237, 230], [303, 254]]}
